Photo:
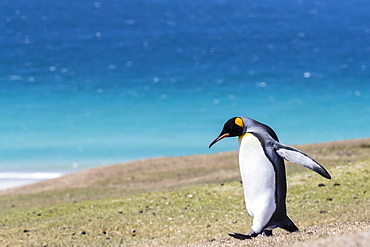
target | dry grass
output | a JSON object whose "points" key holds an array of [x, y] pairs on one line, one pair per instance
{"points": [[115, 200], [169, 173]]}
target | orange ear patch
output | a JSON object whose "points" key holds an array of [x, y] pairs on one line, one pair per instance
{"points": [[239, 122]]}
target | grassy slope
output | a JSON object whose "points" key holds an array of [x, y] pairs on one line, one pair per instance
{"points": [[184, 202]]}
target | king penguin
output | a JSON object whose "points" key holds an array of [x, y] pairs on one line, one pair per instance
{"points": [[262, 171]]}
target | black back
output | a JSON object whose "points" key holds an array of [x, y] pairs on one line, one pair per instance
{"points": [[267, 138]]}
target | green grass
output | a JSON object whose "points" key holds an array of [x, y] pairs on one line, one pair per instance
{"points": [[196, 214], [162, 174]]}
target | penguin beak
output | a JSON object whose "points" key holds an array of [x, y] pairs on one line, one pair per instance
{"points": [[218, 138]]}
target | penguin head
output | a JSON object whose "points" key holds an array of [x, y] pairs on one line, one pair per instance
{"points": [[233, 127]]}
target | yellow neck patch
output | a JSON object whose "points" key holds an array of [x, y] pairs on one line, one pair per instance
{"points": [[239, 122], [242, 136]]}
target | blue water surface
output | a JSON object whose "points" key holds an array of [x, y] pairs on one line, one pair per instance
{"points": [[89, 83]]}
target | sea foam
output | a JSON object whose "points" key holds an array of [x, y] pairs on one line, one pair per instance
{"points": [[15, 179], [30, 175]]}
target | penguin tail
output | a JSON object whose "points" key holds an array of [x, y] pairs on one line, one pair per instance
{"points": [[288, 225]]}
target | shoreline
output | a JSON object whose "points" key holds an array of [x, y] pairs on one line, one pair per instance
{"points": [[164, 173], [6, 184], [9, 180]]}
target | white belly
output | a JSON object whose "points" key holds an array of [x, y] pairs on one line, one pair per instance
{"points": [[258, 178]]}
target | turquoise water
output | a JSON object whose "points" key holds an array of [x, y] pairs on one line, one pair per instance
{"points": [[89, 83]]}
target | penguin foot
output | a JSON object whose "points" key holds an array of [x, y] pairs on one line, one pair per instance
{"points": [[267, 233], [240, 236], [253, 234]]}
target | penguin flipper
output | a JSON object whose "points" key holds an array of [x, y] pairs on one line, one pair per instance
{"points": [[294, 155]]}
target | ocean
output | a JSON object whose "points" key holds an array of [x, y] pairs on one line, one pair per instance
{"points": [[92, 83]]}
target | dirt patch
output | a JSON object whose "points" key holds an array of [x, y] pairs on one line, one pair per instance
{"points": [[361, 239], [348, 234]]}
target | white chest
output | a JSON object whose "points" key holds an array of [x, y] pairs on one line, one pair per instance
{"points": [[257, 174]]}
